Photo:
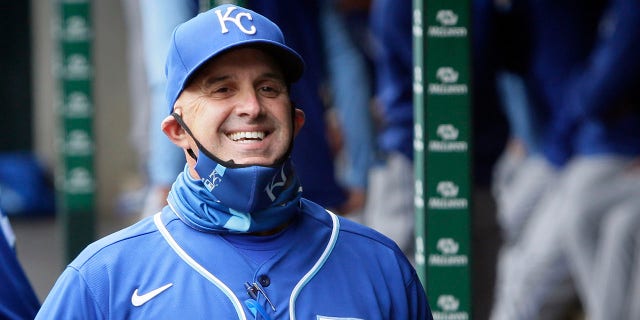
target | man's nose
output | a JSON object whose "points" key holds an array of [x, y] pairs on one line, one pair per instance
{"points": [[249, 105]]}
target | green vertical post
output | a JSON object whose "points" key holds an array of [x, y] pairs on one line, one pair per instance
{"points": [[442, 162], [75, 181], [418, 139]]}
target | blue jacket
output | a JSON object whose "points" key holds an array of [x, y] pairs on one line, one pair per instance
{"points": [[391, 27], [603, 97], [583, 74], [562, 35], [17, 299], [321, 266]]}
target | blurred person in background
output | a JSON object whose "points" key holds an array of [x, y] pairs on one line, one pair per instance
{"points": [[529, 220], [18, 301], [150, 24], [158, 19], [591, 143], [348, 80], [603, 97], [522, 174], [389, 208]]}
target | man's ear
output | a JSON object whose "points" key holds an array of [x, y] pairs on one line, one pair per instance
{"points": [[175, 132], [298, 120]]}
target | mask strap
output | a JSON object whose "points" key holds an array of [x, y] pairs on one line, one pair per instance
{"points": [[184, 126], [228, 164]]}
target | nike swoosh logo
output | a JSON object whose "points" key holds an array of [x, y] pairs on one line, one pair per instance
{"points": [[137, 300]]}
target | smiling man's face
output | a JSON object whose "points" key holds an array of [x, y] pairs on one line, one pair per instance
{"points": [[239, 109]]}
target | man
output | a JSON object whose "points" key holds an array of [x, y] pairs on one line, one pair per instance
{"points": [[389, 208], [237, 240], [17, 298], [592, 144]]}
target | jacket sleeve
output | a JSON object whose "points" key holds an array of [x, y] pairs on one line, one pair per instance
{"points": [[70, 298], [17, 298], [611, 72], [417, 299]]}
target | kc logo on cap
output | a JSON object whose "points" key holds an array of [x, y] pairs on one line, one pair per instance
{"points": [[236, 20]]}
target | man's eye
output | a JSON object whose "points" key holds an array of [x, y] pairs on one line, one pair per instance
{"points": [[221, 90], [269, 91]]}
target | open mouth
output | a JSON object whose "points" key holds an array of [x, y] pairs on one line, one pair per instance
{"points": [[247, 136]]}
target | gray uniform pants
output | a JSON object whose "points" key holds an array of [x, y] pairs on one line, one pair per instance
{"points": [[390, 205], [537, 279], [602, 246]]}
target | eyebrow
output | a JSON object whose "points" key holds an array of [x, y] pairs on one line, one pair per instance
{"points": [[273, 75], [209, 81]]}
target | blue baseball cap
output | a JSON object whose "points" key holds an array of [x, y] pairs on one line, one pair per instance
{"points": [[218, 30]]}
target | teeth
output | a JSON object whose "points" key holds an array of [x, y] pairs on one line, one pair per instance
{"points": [[247, 135]]}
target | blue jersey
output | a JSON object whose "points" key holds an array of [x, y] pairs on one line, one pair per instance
{"points": [[604, 95], [320, 267], [590, 90], [391, 30], [17, 298]]}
